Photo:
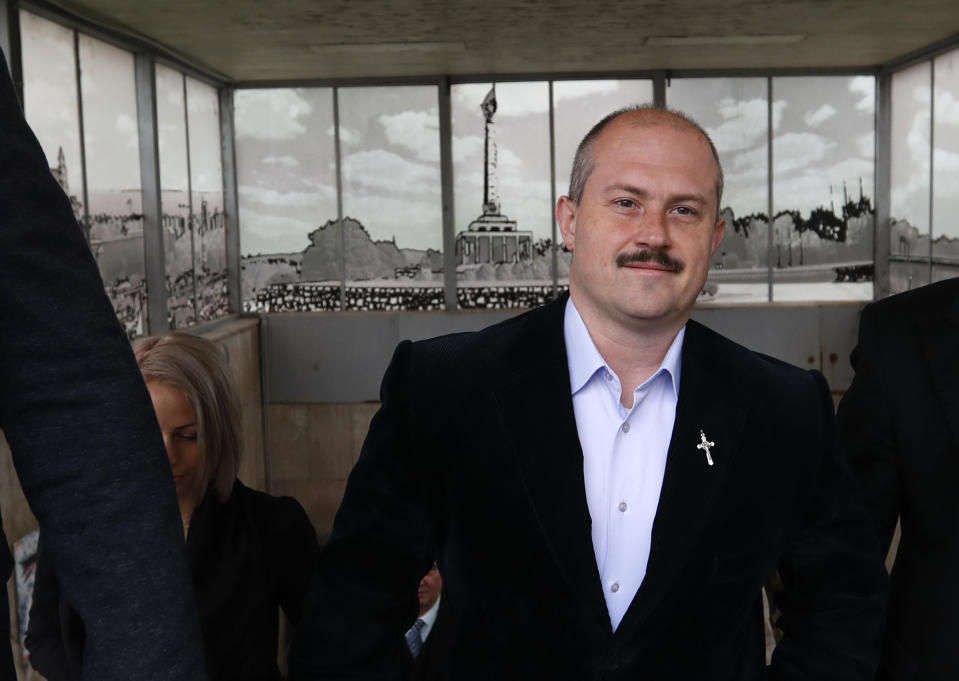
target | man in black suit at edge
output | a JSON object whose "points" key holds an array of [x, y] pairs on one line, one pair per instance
{"points": [[899, 429], [84, 438], [606, 484], [428, 638]]}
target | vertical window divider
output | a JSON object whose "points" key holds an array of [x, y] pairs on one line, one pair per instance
{"points": [[189, 199], [83, 142], [554, 265], [230, 199], [883, 171], [153, 252], [770, 134], [10, 43], [341, 242], [446, 186], [932, 158]]}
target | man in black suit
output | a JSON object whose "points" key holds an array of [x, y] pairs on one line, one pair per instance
{"points": [[607, 484], [84, 438], [899, 427], [428, 638]]}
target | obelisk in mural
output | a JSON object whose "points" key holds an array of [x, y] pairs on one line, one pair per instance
{"points": [[477, 245]]}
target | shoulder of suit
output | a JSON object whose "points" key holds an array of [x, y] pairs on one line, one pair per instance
{"points": [[270, 509], [919, 302]]}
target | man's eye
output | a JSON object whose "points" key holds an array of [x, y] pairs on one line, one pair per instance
{"points": [[625, 203], [684, 210]]}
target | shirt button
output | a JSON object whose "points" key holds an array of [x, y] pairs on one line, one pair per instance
{"points": [[622, 506], [615, 587], [625, 427], [608, 376]]}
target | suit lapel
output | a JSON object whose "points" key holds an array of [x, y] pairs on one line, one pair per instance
{"points": [[707, 403], [940, 340], [536, 408]]}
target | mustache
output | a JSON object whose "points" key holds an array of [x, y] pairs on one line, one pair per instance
{"points": [[654, 255]]}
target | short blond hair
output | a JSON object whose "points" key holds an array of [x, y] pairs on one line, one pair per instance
{"points": [[196, 367]]}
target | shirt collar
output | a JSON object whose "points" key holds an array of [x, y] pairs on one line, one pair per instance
{"points": [[584, 359], [429, 617]]}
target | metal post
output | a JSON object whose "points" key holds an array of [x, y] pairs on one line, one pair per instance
{"points": [[554, 267], [154, 257], [770, 245], [341, 242], [882, 191], [230, 200], [10, 42], [446, 185]]}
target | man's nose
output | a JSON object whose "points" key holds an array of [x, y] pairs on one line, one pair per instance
{"points": [[651, 229]]}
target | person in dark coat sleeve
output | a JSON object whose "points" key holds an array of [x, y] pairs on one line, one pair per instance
{"points": [[899, 427], [83, 435]]}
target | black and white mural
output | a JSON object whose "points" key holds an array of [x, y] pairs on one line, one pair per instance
{"points": [[924, 231], [823, 176], [108, 206]]}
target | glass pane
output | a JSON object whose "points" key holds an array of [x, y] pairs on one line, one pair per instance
{"points": [[111, 141], [392, 198], [175, 197], [504, 212], [945, 179], [577, 106], [286, 174], [823, 180], [206, 183], [50, 100], [734, 111], [909, 199]]}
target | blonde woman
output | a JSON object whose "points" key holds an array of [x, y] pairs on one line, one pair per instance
{"points": [[250, 553]]}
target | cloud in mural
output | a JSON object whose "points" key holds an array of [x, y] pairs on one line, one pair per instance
{"points": [[282, 161], [947, 108], [467, 147], [313, 200], [574, 89], [347, 136], [816, 118], [866, 144], [417, 131], [271, 115], [379, 170], [262, 233], [744, 123], [865, 87], [798, 150]]}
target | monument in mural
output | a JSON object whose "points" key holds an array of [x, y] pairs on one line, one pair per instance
{"points": [[492, 238]]}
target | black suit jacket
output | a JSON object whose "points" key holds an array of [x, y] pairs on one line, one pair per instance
{"points": [[84, 438], [900, 430], [474, 454]]}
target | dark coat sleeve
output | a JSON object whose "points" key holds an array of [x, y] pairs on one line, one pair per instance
{"points": [[295, 550], [867, 430], [363, 594], [82, 431], [835, 583], [46, 639]]}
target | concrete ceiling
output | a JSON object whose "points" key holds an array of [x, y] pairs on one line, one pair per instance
{"points": [[252, 40]]}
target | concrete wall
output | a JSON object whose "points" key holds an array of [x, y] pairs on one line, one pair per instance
{"points": [[239, 339]]}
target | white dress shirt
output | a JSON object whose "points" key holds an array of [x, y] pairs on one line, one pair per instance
{"points": [[624, 457], [429, 618]]}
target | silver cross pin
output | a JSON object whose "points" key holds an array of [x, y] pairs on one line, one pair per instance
{"points": [[705, 445]]}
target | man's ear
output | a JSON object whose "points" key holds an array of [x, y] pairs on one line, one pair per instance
{"points": [[566, 219], [719, 231]]}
